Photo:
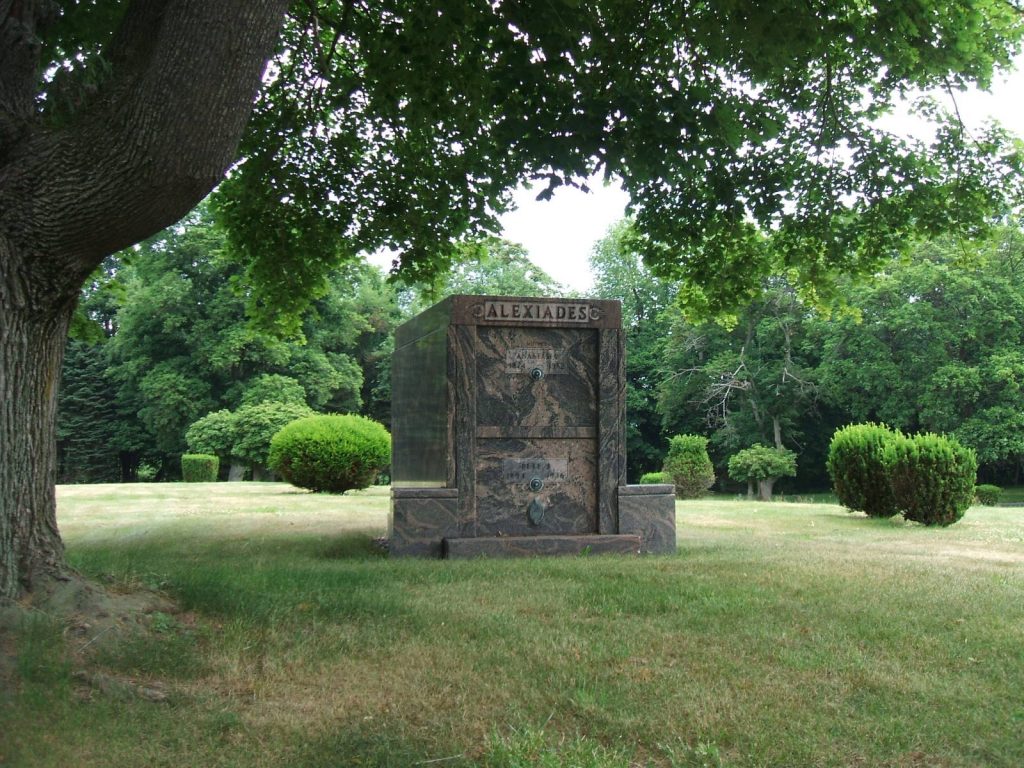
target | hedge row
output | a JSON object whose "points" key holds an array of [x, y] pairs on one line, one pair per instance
{"points": [[199, 468], [987, 494]]}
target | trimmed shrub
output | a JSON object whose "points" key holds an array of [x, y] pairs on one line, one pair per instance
{"points": [[655, 478], [856, 464], [762, 465], [932, 477], [334, 453], [199, 468], [689, 466], [987, 494]]}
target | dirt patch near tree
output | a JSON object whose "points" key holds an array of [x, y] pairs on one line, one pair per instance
{"points": [[88, 616]]}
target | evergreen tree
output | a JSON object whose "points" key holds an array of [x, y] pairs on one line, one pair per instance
{"points": [[86, 427]]}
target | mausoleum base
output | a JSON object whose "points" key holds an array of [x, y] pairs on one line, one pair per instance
{"points": [[530, 546], [425, 522]]}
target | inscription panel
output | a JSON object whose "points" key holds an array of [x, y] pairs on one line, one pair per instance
{"points": [[539, 311], [507, 499], [551, 362], [525, 470], [520, 399]]}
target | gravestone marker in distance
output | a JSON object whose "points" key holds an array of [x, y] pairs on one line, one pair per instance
{"points": [[508, 433]]}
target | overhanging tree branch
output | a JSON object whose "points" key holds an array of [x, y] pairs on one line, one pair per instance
{"points": [[154, 139]]}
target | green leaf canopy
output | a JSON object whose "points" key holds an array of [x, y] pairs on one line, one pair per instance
{"points": [[403, 125]]}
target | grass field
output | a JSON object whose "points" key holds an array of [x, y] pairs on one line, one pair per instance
{"points": [[780, 635]]}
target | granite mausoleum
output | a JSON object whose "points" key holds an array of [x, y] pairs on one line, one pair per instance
{"points": [[508, 433]]}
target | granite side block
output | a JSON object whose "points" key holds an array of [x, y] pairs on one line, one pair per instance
{"points": [[463, 418], [649, 511], [421, 518], [611, 449], [532, 546], [652, 489]]}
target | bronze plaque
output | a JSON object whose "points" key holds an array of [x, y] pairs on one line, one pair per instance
{"points": [[526, 470], [550, 362]]}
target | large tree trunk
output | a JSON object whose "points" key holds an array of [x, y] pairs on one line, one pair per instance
{"points": [[138, 153], [31, 350]]}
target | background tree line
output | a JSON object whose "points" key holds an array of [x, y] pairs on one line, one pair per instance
{"points": [[933, 342], [162, 338]]}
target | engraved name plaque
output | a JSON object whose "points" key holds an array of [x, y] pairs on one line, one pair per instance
{"points": [[532, 312], [550, 361], [524, 470]]}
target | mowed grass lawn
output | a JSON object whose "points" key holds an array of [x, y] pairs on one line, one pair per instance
{"points": [[780, 635]]}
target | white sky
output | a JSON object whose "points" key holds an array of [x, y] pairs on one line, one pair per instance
{"points": [[559, 233]]}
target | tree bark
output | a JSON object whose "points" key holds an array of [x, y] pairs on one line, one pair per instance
{"points": [[31, 352], [139, 153], [764, 488]]}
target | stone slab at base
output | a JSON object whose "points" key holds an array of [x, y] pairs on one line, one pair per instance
{"points": [[649, 511], [421, 518], [529, 546]]}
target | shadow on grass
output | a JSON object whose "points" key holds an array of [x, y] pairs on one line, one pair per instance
{"points": [[844, 517], [368, 746], [354, 547], [389, 747], [264, 580]]}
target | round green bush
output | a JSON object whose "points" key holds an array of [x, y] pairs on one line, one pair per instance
{"points": [[334, 453], [199, 468], [655, 478], [932, 477], [856, 464], [987, 494], [689, 465]]}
